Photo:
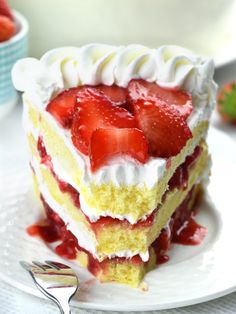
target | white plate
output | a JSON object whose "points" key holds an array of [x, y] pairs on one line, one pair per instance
{"points": [[193, 275]]}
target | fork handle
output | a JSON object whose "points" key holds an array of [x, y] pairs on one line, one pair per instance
{"points": [[64, 308]]}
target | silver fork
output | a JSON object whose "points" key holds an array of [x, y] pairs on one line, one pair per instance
{"points": [[55, 280]]}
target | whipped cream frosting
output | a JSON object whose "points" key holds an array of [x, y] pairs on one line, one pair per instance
{"points": [[168, 66]]}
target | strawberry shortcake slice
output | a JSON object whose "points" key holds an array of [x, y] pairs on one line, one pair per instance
{"points": [[118, 152]]}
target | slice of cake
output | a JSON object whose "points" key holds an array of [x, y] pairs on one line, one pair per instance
{"points": [[118, 151]]}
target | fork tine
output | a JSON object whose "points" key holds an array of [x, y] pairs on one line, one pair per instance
{"points": [[53, 264], [27, 266], [57, 265], [55, 280], [41, 265]]}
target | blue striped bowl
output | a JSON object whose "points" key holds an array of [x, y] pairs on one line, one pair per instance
{"points": [[10, 51]]}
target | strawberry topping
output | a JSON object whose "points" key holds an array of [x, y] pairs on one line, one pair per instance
{"points": [[180, 100], [62, 107], [94, 111], [7, 28], [165, 130], [5, 9], [106, 143], [117, 95], [102, 127]]}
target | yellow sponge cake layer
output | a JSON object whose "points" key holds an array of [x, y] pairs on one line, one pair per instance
{"points": [[126, 272], [115, 237], [136, 201]]}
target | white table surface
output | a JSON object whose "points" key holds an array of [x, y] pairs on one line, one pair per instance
{"points": [[13, 301]]}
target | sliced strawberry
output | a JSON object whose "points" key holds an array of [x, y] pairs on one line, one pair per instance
{"points": [[117, 95], [62, 106], [178, 99], [7, 28], [94, 110], [5, 9], [107, 143], [165, 130]]}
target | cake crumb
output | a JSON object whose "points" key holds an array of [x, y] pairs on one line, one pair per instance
{"points": [[143, 286]]}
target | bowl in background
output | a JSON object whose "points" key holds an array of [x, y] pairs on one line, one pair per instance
{"points": [[10, 51]]}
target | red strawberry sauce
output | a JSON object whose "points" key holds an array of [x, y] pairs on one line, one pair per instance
{"points": [[180, 178]]}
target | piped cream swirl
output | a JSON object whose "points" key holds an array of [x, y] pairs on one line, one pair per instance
{"points": [[168, 66]]}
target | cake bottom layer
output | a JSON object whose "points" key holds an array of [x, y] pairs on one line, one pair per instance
{"points": [[181, 228]]}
